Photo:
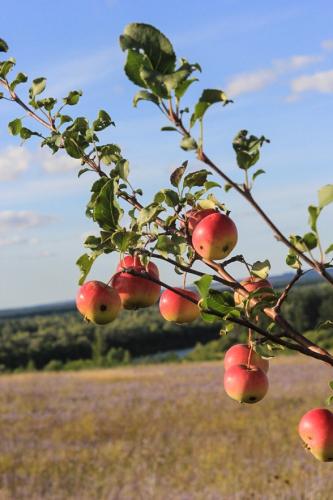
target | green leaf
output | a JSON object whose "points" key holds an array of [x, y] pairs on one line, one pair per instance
{"points": [[107, 211], [261, 269], [37, 87], [313, 216], [222, 302], [211, 184], [103, 121], [174, 244], [258, 172], [123, 169], [64, 119], [293, 260], [20, 78], [208, 97], [124, 239], [73, 97], [183, 86], [310, 240], [329, 249], [72, 148], [169, 196], [188, 143], [3, 46], [134, 63], [15, 126], [329, 400], [203, 285], [48, 103], [145, 38], [247, 149], [6, 67], [109, 153], [325, 195], [26, 133], [169, 129], [83, 171], [149, 213], [331, 384], [177, 174], [85, 263], [197, 178], [144, 95]]}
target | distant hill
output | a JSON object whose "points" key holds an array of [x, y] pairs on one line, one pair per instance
{"points": [[61, 307]]}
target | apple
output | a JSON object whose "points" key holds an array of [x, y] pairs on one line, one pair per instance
{"points": [[316, 430], [136, 292], [173, 307], [245, 384], [194, 216], [98, 302], [215, 236], [239, 355], [251, 284]]}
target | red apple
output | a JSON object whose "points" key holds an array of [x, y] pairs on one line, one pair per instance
{"points": [[316, 430], [245, 384], [194, 216], [98, 302], [251, 284], [173, 307], [239, 355], [136, 292], [214, 237]]}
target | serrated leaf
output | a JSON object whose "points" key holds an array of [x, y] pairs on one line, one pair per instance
{"points": [[103, 121], [145, 38], [37, 87], [177, 174], [261, 269], [325, 195], [203, 285], [208, 97], [149, 213], [124, 239], [188, 143], [15, 126], [3, 46], [144, 95], [85, 263], [107, 211], [197, 178], [73, 97], [258, 172]]}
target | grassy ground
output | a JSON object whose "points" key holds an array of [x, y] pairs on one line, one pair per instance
{"points": [[159, 432]]}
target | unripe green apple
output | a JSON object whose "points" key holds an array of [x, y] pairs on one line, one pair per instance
{"points": [[98, 302], [175, 308], [214, 237], [239, 355], [136, 292], [245, 384], [251, 284], [194, 216], [316, 430]]}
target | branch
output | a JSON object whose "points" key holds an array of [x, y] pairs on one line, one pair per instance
{"points": [[286, 291]]}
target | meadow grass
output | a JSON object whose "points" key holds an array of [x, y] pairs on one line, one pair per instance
{"points": [[159, 432]]}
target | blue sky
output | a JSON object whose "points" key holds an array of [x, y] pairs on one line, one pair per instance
{"points": [[274, 58]]}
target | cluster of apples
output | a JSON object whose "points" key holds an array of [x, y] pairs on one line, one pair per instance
{"points": [[213, 236]]}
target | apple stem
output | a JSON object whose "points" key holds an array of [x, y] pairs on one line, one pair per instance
{"points": [[250, 344], [184, 280]]}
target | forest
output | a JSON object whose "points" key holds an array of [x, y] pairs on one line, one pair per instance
{"points": [[52, 340]]}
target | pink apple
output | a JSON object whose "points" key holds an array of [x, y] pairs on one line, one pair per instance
{"points": [[194, 216], [98, 302], [239, 355], [173, 307], [316, 430], [136, 292], [214, 237], [251, 284], [245, 384]]}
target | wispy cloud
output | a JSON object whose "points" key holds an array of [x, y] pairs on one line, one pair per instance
{"points": [[317, 82], [82, 71], [22, 219], [14, 161], [17, 240], [58, 163], [257, 80]]}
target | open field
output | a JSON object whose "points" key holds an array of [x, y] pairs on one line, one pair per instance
{"points": [[159, 432]]}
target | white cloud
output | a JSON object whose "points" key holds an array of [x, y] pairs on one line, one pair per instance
{"points": [[57, 163], [317, 82], [327, 45], [22, 219], [14, 160], [257, 80], [17, 240]]}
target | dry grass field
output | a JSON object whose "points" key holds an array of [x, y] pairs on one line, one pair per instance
{"points": [[159, 432]]}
